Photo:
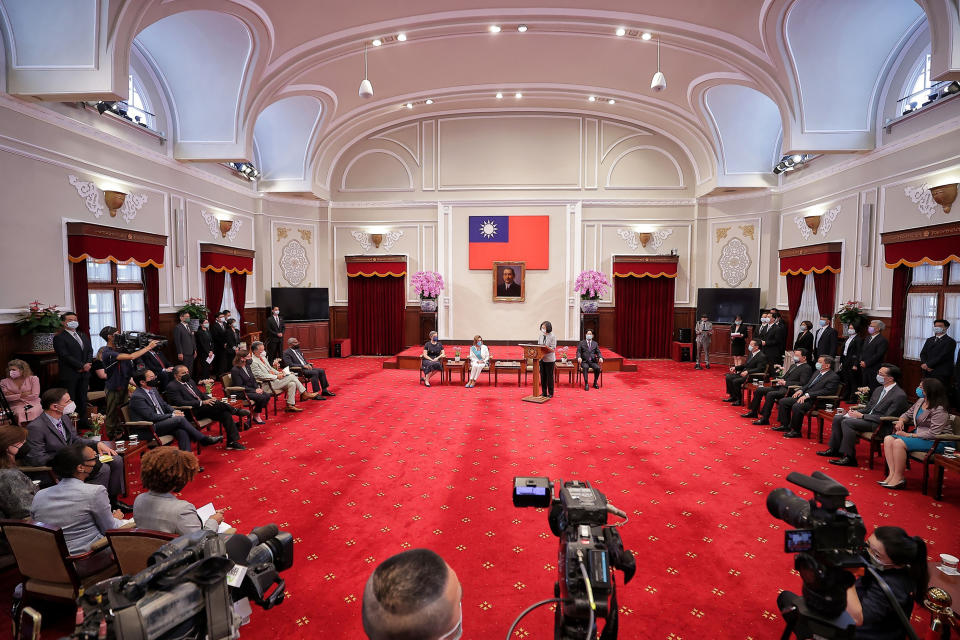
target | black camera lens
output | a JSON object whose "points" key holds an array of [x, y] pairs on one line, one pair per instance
{"points": [[785, 505]]}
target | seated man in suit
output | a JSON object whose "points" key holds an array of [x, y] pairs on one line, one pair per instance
{"points": [[588, 356], [824, 382], [155, 361], [294, 359], [182, 391], [936, 357], [265, 373], [53, 430], [242, 376], [796, 376], [146, 404], [886, 400], [756, 363]]}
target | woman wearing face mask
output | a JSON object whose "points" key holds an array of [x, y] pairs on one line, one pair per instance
{"points": [[549, 360], [22, 390], [738, 341], [901, 561], [16, 489], [850, 362], [479, 358], [204, 351], [431, 363], [805, 337], [242, 376], [929, 416], [232, 337]]}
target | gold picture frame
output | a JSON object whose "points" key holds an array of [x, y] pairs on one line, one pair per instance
{"points": [[505, 288]]}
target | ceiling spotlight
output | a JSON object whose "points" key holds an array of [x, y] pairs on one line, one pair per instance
{"points": [[645, 35], [499, 95], [428, 101], [592, 98], [522, 28], [377, 42], [659, 81], [796, 158], [366, 87], [611, 101], [621, 31], [402, 37], [409, 105], [494, 28], [518, 95]]}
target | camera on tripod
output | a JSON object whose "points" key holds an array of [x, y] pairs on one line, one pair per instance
{"points": [[131, 341], [589, 552]]}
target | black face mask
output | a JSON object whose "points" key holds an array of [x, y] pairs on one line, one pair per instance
{"points": [[153, 383]]}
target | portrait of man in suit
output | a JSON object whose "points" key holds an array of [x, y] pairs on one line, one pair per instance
{"points": [[508, 281]]}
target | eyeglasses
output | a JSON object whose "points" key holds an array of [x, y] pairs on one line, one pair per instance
{"points": [[457, 631]]}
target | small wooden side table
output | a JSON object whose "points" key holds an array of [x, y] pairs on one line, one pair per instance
{"points": [[941, 463], [822, 415], [450, 365], [510, 366], [569, 367]]}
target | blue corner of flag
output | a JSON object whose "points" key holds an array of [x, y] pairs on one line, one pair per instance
{"points": [[489, 228]]}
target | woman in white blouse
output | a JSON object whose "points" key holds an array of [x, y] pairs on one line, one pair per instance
{"points": [[479, 358]]}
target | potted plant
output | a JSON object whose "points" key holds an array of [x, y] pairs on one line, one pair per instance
{"points": [[563, 355], [428, 285], [591, 285], [95, 432], [43, 322], [456, 353], [197, 310], [851, 314]]}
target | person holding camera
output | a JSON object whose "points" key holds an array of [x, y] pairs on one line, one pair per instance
{"points": [[184, 392], [118, 368], [165, 471], [930, 418], [901, 561]]}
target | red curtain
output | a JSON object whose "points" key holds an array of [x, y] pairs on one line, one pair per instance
{"points": [[238, 284], [901, 282], [213, 284], [81, 300], [644, 316], [825, 285], [794, 297], [375, 315], [151, 286]]}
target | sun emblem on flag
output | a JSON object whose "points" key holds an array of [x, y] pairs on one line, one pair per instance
{"points": [[488, 228]]}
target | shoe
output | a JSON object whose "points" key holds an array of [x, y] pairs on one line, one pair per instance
{"points": [[595, 386], [794, 434], [243, 413], [737, 403], [201, 469], [845, 461], [586, 388], [258, 420], [211, 440], [123, 506], [696, 368], [707, 367], [308, 395], [291, 408], [236, 446], [830, 453], [320, 398], [761, 421], [729, 399], [749, 414], [896, 487], [781, 428], [329, 394]]}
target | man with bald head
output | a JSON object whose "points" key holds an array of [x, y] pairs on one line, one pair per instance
{"points": [[413, 595]]}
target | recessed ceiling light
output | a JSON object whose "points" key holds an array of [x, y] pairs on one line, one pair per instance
{"points": [[796, 158], [518, 95], [522, 28], [621, 31], [429, 101], [402, 37], [409, 105], [592, 98], [611, 101], [499, 95], [645, 35], [377, 42], [494, 28]]}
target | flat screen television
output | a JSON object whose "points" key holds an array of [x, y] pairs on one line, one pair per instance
{"points": [[723, 305], [306, 303]]}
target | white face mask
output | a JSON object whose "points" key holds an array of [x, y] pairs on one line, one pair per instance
{"points": [[937, 330], [764, 320], [70, 408], [822, 323], [819, 366], [589, 337], [796, 359], [871, 330], [14, 373], [276, 313], [543, 331], [72, 325], [851, 332], [879, 378], [206, 325]]}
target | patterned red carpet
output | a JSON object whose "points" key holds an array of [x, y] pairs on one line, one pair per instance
{"points": [[389, 465]]}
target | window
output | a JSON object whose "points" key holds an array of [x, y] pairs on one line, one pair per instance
{"points": [[138, 107], [934, 293], [927, 274], [116, 297], [921, 312], [808, 306], [955, 273]]}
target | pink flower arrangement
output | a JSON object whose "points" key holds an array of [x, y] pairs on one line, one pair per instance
{"points": [[592, 284], [427, 284]]}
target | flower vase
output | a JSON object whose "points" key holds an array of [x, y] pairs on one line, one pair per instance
{"points": [[589, 305], [194, 324], [42, 342], [428, 304]]}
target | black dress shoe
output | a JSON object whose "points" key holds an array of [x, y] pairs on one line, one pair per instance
{"points": [[211, 440], [845, 461], [320, 398], [696, 368], [329, 394], [736, 403], [201, 469], [708, 366], [729, 399], [830, 453], [749, 414], [236, 446], [793, 434], [586, 387], [780, 428], [761, 421], [595, 386]]}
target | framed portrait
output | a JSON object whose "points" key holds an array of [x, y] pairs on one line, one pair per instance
{"points": [[509, 281]]}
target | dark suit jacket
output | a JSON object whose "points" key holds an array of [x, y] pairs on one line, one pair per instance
{"points": [[873, 352], [45, 440], [937, 353], [70, 355], [823, 385], [512, 291], [756, 364], [852, 359], [827, 344], [243, 377], [776, 342], [141, 408], [804, 341], [274, 325], [798, 375], [894, 403], [219, 336], [204, 342], [232, 338], [588, 355], [177, 394], [290, 359], [155, 361], [183, 340]]}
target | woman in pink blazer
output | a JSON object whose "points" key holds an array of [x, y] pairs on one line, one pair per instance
{"points": [[22, 390]]}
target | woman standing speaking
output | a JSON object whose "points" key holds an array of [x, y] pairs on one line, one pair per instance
{"points": [[547, 362]]}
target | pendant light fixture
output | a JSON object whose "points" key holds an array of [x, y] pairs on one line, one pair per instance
{"points": [[659, 82], [366, 88]]}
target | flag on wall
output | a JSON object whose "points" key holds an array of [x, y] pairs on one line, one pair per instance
{"points": [[518, 238]]}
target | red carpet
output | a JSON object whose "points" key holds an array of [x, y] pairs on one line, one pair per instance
{"points": [[389, 465]]}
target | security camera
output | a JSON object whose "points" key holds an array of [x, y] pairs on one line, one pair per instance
{"points": [[659, 82]]}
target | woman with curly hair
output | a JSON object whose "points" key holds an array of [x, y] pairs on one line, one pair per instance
{"points": [[165, 471]]}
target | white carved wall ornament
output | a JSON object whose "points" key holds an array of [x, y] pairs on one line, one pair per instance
{"points": [[922, 197], [827, 218], [632, 238], [734, 262], [365, 240], [802, 226], [294, 263], [93, 199], [131, 206], [213, 224]]}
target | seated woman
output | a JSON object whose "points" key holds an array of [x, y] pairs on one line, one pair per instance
{"points": [[241, 375], [902, 562], [929, 416], [16, 489], [165, 471], [432, 360], [479, 358], [22, 390]]}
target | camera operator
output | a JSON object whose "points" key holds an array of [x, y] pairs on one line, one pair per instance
{"points": [[117, 366], [413, 595], [902, 562]]}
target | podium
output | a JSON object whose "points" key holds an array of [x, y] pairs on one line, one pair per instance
{"points": [[536, 353]]}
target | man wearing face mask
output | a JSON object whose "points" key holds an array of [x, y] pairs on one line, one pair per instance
{"points": [[118, 369], [775, 340], [796, 376], [75, 359], [293, 358], [54, 430], [936, 357], [850, 362], [825, 339], [704, 335], [589, 358], [756, 363], [183, 392], [184, 341], [273, 337], [873, 353], [146, 404], [792, 408]]}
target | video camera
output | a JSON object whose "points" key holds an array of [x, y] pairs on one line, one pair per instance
{"points": [[589, 552], [198, 585], [131, 341]]}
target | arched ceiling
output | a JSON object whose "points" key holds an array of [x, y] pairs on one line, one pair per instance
{"points": [[277, 79]]}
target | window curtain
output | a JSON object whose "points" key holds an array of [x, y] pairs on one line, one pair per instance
{"points": [[795, 284], [238, 286], [901, 282], [213, 285], [81, 300], [151, 291], [826, 285], [375, 310], [808, 308], [644, 316]]}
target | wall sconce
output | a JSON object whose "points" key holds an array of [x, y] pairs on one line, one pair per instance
{"points": [[944, 195], [644, 238], [813, 222], [115, 199], [377, 238], [226, 224]]}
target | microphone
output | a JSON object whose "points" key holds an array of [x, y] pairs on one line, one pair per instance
{"points": [[617, 512]]}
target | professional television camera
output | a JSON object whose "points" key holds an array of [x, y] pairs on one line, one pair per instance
{"points": [[130, 341], [589, 552], [829, 541], [196, 586]]}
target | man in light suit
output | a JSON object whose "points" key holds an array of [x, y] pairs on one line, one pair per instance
{"points": [[75, 505], [266, 374], [74, 359], [873, 353], [825, 339], [704, 331], [274, 334], [53, 430], [936, 357], [293, 358], [588, 357], [824, 382], [756, 363], [146, 404], [184, 342], [887, 400]]}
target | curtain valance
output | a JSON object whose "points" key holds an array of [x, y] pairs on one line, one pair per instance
{"points": [[935, 245], [214, 257], [645, 266], [818, 258], [90, 241], [376, 266]]}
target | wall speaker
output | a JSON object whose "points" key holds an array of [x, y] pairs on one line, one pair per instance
{"points": [[866, 238], [180, 232]]}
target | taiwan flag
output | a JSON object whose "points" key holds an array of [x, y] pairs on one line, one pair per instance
{"points": [[510, 238]]}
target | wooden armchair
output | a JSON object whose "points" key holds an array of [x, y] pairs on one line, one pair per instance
{"points": [[926, 457], [133, 547], [142, 428], [875, 437], [229, 389], [820, 403]]}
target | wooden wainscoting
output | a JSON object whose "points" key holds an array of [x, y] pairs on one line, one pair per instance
{"points": [[683, 318], [607, 327], [314, 337], [411, 325], [10, 342], [339, 329]]}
